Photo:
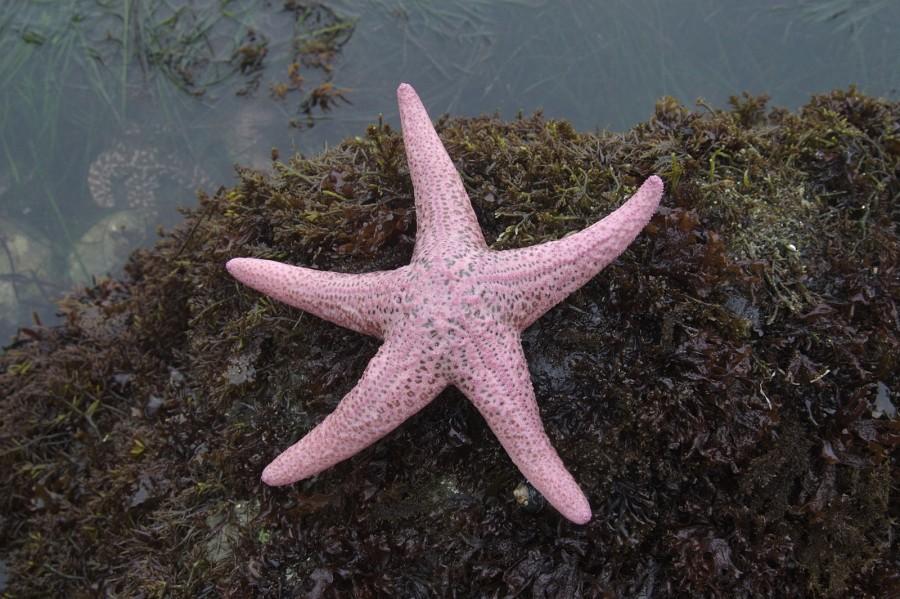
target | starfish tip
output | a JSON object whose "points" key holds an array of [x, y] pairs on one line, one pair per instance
{"points": [[405, 89], [233, 265], [654, 181], [581, 515], [237, 267], [270, 476]]}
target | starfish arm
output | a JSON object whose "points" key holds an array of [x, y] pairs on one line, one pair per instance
{"points": [[553, 270], [396, 384], [443, 209], [494, 376], [361, 302]]}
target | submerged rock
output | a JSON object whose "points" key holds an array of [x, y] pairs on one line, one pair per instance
{"points": [[246, 139], [105, 247], [25, 271]]}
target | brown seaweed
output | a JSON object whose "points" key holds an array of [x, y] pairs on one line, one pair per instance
{"points": [[724, 392]]}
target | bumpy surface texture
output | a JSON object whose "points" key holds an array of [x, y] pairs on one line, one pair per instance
{"points": [[452, 317]]}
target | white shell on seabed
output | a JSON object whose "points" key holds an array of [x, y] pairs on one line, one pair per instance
{"points": [[105, 247]]}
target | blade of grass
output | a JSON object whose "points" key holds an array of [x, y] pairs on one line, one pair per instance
{"points": [[123, 78]]}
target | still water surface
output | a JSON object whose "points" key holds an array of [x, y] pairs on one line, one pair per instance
{"points": [[114, 112]]}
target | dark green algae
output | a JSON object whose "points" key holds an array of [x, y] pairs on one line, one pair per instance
{"points": [[722, 392]]}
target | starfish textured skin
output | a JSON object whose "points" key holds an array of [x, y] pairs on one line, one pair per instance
{"points": [[453, 316]]}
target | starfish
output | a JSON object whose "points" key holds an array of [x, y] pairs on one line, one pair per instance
{"points": [[453, 316]]}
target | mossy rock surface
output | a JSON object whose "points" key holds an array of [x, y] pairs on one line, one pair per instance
{"points": [[724, 392]]}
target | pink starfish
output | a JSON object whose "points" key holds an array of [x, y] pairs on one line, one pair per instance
{"points": [[451, 317]]}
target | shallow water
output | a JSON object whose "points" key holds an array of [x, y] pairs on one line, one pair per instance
{"points": [[114, 112]]}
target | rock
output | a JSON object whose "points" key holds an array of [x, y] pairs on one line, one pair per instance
{"points": [[104, 248], [133, 174], [25, 263]]}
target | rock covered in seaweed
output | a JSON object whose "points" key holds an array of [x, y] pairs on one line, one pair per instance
{"points": [[717, 390]]}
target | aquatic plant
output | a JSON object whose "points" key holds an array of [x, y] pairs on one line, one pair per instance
{"points": [[80, 76]]}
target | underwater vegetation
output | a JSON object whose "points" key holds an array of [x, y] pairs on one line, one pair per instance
{"points": [[724, 392], [115, 111], [105, 102]]}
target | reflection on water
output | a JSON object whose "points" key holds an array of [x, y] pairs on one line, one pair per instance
{"points": [[114, 113]]}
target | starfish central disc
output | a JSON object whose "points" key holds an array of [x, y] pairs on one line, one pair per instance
{"points": [[453, 316]]}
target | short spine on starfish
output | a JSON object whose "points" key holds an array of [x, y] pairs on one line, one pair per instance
{"points": [[453, 316]]}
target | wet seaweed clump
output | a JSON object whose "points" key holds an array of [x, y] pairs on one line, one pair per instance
{"points": [[725, 392]]}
